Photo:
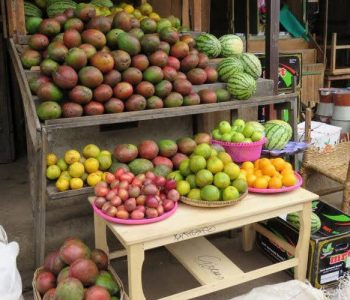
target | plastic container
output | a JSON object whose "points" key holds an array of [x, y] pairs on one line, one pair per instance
{"points": [[241, 152]]}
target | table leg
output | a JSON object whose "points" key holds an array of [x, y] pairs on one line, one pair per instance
{"points": [[302, 249], [100, 234], [136, 256], [248, 237]]}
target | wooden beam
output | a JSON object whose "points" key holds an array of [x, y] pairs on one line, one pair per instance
{"points": [[272, 34]]}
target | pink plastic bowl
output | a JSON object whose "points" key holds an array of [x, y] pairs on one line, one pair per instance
{"points": [[241, 152], [134, 222], [282, 190]]}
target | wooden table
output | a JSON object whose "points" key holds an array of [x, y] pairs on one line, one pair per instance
{"points": [[183, 234]]}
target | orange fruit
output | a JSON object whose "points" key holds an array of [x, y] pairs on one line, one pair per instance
{"points": [[261, 183], [264, 162], [258, 173], [247, 165], [278, 175], [287, 171], [289, 179], [275, 183], [249, 171], [257, 164], [269, 170], [251, 179], [244, 172], [288, 166], [279, 164], [266, 177]]}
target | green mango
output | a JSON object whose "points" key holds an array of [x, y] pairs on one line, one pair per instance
{"points": [[108, 283]]}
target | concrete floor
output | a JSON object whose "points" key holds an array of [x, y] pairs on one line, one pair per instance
{"points": [[162, 274]]}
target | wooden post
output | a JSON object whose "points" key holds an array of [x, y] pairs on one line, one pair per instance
{"points": [[197, 15], [185, 13], [272, 34]]}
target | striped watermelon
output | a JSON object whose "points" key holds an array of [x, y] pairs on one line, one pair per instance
{"points": [[231, 45], [251, 64], [278, 134], [229, 66], [102, 3], [241, 86], [208, 44], [31, 10], [59, 7], [293, 219]]}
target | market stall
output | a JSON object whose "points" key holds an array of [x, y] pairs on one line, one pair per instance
{"points": [[125, 104]]}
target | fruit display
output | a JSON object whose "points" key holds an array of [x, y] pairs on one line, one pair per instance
{"points": [[93, 64], [264, 173], [210, 175], [76, 272], [239, 132], [76, 169], [278, 134], [145, 196], [294, 220]]}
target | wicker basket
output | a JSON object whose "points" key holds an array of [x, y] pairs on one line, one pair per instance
{"points": [[37, 296], [212, 204], [241, 152]]}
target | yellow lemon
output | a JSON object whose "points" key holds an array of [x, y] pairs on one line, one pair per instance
{"points": [[91, 150], [65, 175], [76, 169], [76, 183], [51, 159], [154, 16], [53, 172], [62, 184], [93, 179], [129, 9], [225, 157], [71, 156], [91, 165]]}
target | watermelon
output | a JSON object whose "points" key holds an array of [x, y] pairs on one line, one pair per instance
{"points": [[231, 45], [102, 3], [31, 10], [293, 219], [229, 66], [278, 134], [208, 44], [241, 86], [59, 7], [251, 64]]}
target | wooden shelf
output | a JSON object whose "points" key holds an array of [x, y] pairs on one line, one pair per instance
{"points": [[163, 113], [53, 194]]}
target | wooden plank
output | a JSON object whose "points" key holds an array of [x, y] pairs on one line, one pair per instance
{"points": [[272, 34], [237, 279], [185, 13], [197, 15], [164, 113], [53, 194], [257, 45], [20, 18], [207, 263], [312, 81]]}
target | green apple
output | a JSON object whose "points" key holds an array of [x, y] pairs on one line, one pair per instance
{"points": [[238, 138], [216, 134], [240, 124], [248, 131], [226, 137], [224, 127], [257, 136], [247, 140]]}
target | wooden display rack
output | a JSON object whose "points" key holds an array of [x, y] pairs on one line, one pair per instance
{"points": [[40, 136], [183, 234]]}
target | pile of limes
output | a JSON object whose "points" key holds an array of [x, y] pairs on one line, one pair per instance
{"points": [[209, 175], [265, 173], [74, 169]]}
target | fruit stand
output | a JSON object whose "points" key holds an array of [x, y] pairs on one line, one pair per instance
{"points": [[132, 78]]}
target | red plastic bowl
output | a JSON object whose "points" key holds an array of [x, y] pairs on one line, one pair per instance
{"points": [[282, 190]]}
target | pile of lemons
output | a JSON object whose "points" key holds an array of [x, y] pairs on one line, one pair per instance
{"points": [[74, 169]]}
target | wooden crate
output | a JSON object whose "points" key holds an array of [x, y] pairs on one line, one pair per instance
{"points": [[312, 81]]}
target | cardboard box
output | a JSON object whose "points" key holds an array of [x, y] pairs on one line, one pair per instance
{"points": [[323, 136], [329, 252], [289, 67]]}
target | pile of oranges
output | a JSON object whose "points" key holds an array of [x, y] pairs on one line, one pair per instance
{"points": [[265, 173]]}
